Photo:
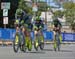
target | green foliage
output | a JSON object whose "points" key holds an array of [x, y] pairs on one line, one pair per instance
{"points": [[58, 13], [70, 13], [69, 5]]}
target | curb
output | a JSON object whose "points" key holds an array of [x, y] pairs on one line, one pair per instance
{"points": [[7, 43], [61, 43]]}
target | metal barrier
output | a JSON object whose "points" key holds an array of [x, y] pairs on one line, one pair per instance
{"points": [[69, 37], [9, 34]]}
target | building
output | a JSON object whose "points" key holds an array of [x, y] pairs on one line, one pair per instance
{"points": [[48, 17]]}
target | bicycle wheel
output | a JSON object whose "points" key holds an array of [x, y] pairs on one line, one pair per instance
{"points": [[36, 44], [30, 45], [58, 41], [22, 42], [58, 45], [42, 42], [55, 43], [25, 44], [16, 43], [24, 48]]}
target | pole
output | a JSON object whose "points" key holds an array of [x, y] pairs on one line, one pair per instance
{"points": [[4, 20], [46, 15], [4, 25]]}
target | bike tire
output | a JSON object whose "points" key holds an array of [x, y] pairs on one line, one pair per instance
{"points": [[42, 42], [55, 44], [58, 48], [58, 41], [16, 43], [22, 43], [42, 46], [58, 44], [36, 44], [30, 45]]}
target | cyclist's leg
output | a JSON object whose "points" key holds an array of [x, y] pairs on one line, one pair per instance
{"points": [[55, 45], [41, 37], [60, 36], [36, 37], [58, 41]]}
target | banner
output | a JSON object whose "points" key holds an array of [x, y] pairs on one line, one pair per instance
{"points": [[68, 36], [9, 34], [48, 35]]}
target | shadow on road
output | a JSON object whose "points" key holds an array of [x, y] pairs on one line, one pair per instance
{"points": [[48, 50], [60, 50], [36, 52], [66, 51]]}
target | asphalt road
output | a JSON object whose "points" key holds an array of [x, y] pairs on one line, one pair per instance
{"points": [[67, 52]]}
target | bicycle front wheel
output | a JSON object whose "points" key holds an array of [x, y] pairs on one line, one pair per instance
{"points": [[55, 43], [36, 44], [30, 45], [16, 43], [41, 42]]}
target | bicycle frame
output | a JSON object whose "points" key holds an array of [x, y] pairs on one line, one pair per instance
{"points": [[57, 41], [38, 41]]}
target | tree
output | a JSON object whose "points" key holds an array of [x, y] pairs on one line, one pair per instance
{"points": [[70, 13], [58, 13]]}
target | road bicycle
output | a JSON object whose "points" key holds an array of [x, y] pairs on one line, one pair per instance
{"points": [[28, 41], [39, 40], [19, 40], [57, 39]]}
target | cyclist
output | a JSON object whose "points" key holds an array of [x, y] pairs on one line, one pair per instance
{"points": [[19, 16], [57, 29], [57, 25], [38, 28], [19, 22], [38, 25]]}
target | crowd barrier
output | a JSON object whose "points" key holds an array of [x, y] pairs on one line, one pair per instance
{"points": [[69, 37], [9, 34]]}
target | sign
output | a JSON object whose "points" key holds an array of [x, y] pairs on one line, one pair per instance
{"points": [[68, 37], [5, 5], [5, 20], [5, 12], [35, 8]]}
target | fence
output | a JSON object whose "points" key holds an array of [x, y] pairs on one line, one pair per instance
{"points": [[9, 34]]}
